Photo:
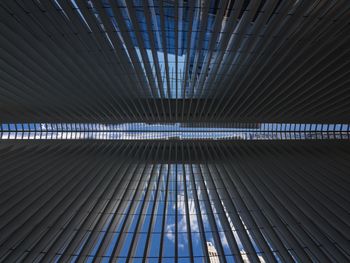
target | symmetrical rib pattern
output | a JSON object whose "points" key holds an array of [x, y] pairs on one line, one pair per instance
{"points": [[153, 81], [151, 60], [146, 201]]}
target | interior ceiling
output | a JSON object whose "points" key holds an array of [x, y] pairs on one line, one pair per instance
{"points": [[191, 62], [164, 61], [66, 201]]}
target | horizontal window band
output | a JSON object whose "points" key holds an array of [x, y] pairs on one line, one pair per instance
{"points": [[174, 131]]}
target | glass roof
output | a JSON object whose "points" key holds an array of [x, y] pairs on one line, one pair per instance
{"points": [[174, 131]]}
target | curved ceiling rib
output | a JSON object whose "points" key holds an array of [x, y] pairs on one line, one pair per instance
{"points": [[173, 61]]}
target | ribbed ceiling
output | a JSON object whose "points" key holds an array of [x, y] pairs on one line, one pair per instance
{"points": [[143, 202], [272, 70], [163, 61]]}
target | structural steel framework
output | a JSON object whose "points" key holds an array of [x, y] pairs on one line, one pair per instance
{"points": [[174, 131], [107, 200], [150, 60]]}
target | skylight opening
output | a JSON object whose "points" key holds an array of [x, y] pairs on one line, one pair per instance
{"points": [[174, 131]]}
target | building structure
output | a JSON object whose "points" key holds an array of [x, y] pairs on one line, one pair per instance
{"points": [[213, 254], [139, 131]]}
